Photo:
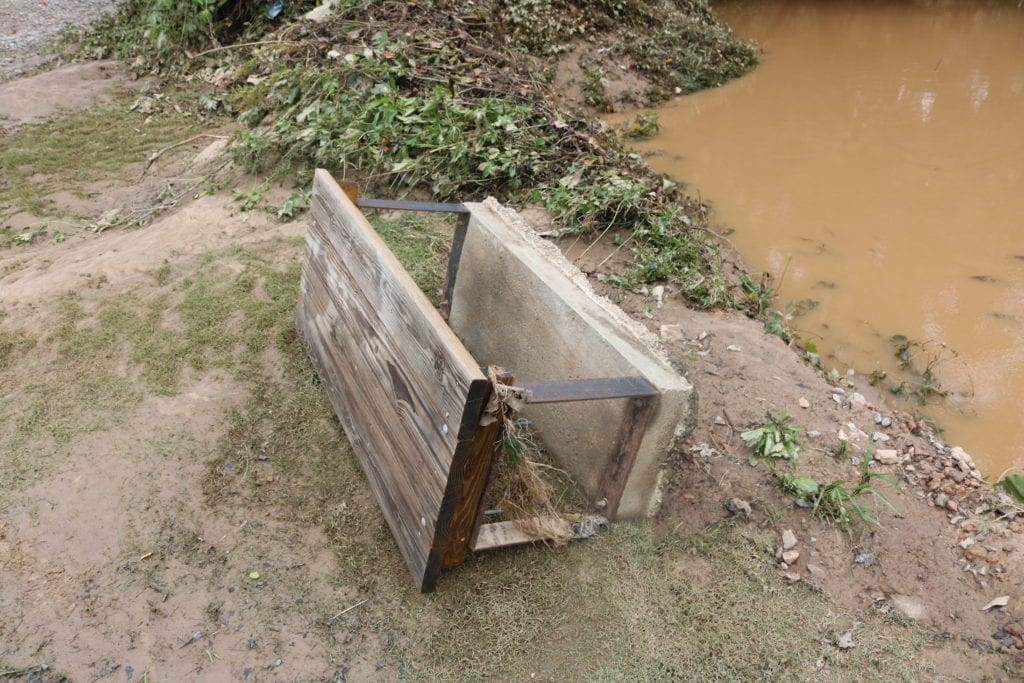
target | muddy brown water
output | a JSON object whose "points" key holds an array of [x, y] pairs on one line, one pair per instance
{"points": [[875, 163]]}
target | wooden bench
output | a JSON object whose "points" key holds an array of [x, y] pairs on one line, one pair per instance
{"points": [[408, 394]]}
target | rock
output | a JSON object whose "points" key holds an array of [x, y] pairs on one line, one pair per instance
{"points": [[659, 294], [720, 421], [957, 476], [790, 556], [952, 505], [975, 553], [1001, 601], [845, 641], [960, 455], [738, 506], [788, 539], [908, 607], [935, 482], [813, 434], [887, 456], [857, 400], [940, 499], [880, 436], [672, 333], [320, 13], [841, 435], [210, 152], [804, 403], [733, 347], [887, 422], [865, 557], [815, 571]]}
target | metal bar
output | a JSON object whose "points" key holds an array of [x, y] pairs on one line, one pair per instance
{"points": [[454, 257], [400, 205], [563, 391], [627, 445]]}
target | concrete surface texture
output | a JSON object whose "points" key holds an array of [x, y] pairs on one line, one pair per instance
{"points": [[518, 303]]}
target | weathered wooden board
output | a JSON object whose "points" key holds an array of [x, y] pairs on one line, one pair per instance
{"points": [[407, 392]]}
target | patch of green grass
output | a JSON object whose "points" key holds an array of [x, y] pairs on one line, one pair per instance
{"points": [[422, 243], [105, 354], [12, 344], [72, 151]]}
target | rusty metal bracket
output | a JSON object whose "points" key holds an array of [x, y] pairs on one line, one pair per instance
{"points": [[643, 401], [461, 226]]}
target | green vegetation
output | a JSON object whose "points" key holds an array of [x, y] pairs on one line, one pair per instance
{"points": [[1014, 485], [835, 502], [923, 384], [390, 95], [679, 46], [775, 439], [644, 125], [72, 152]]}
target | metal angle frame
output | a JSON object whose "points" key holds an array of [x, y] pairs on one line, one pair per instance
{"points": [[461, 226]]}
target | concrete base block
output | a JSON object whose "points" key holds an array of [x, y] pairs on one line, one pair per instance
{"points": [[520, 304]]}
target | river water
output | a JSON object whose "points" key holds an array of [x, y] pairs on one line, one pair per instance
{"points": [[874, 162]]}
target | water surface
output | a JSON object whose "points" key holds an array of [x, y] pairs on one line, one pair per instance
{"points": [[875, 162]]}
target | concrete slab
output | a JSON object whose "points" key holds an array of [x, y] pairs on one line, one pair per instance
{"points": [[520, 304]]}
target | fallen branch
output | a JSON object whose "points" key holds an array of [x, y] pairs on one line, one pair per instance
{"points": [[156, 155], [254, 44], [348, 609]]}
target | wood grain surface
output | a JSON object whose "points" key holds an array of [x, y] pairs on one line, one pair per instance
{"points": [[407, 392]]}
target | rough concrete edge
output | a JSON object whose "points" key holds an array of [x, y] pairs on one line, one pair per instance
{"points": [[639, 333], [579, 278]]}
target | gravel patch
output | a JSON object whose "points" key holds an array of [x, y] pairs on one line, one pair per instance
{"points": [[29, 26]]}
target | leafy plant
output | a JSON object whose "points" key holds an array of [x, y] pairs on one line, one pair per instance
{"points": [[777, 323], [643, 126], [594, 88], [1014, 485], [837, 501], [775, 439]]}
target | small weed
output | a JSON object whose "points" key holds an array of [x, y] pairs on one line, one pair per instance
{"points": [[837, 502], [777, 323], [924, 384], [644, 125], [811, 354], [594, 89], [776, 439]]}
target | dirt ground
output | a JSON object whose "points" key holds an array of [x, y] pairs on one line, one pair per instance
{"points": [[177, 501]]}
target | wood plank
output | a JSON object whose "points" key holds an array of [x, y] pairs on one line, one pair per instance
{"points": [[406, 391], [476, 475], [502, 534]]}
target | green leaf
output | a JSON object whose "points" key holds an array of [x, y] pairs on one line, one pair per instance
{"points": [[1014, 485]]}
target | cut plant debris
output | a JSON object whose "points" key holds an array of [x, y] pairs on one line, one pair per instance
{"points": [[434, 97]]}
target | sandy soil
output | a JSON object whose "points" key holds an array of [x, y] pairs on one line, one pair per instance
{"points": [[36, 98]]}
